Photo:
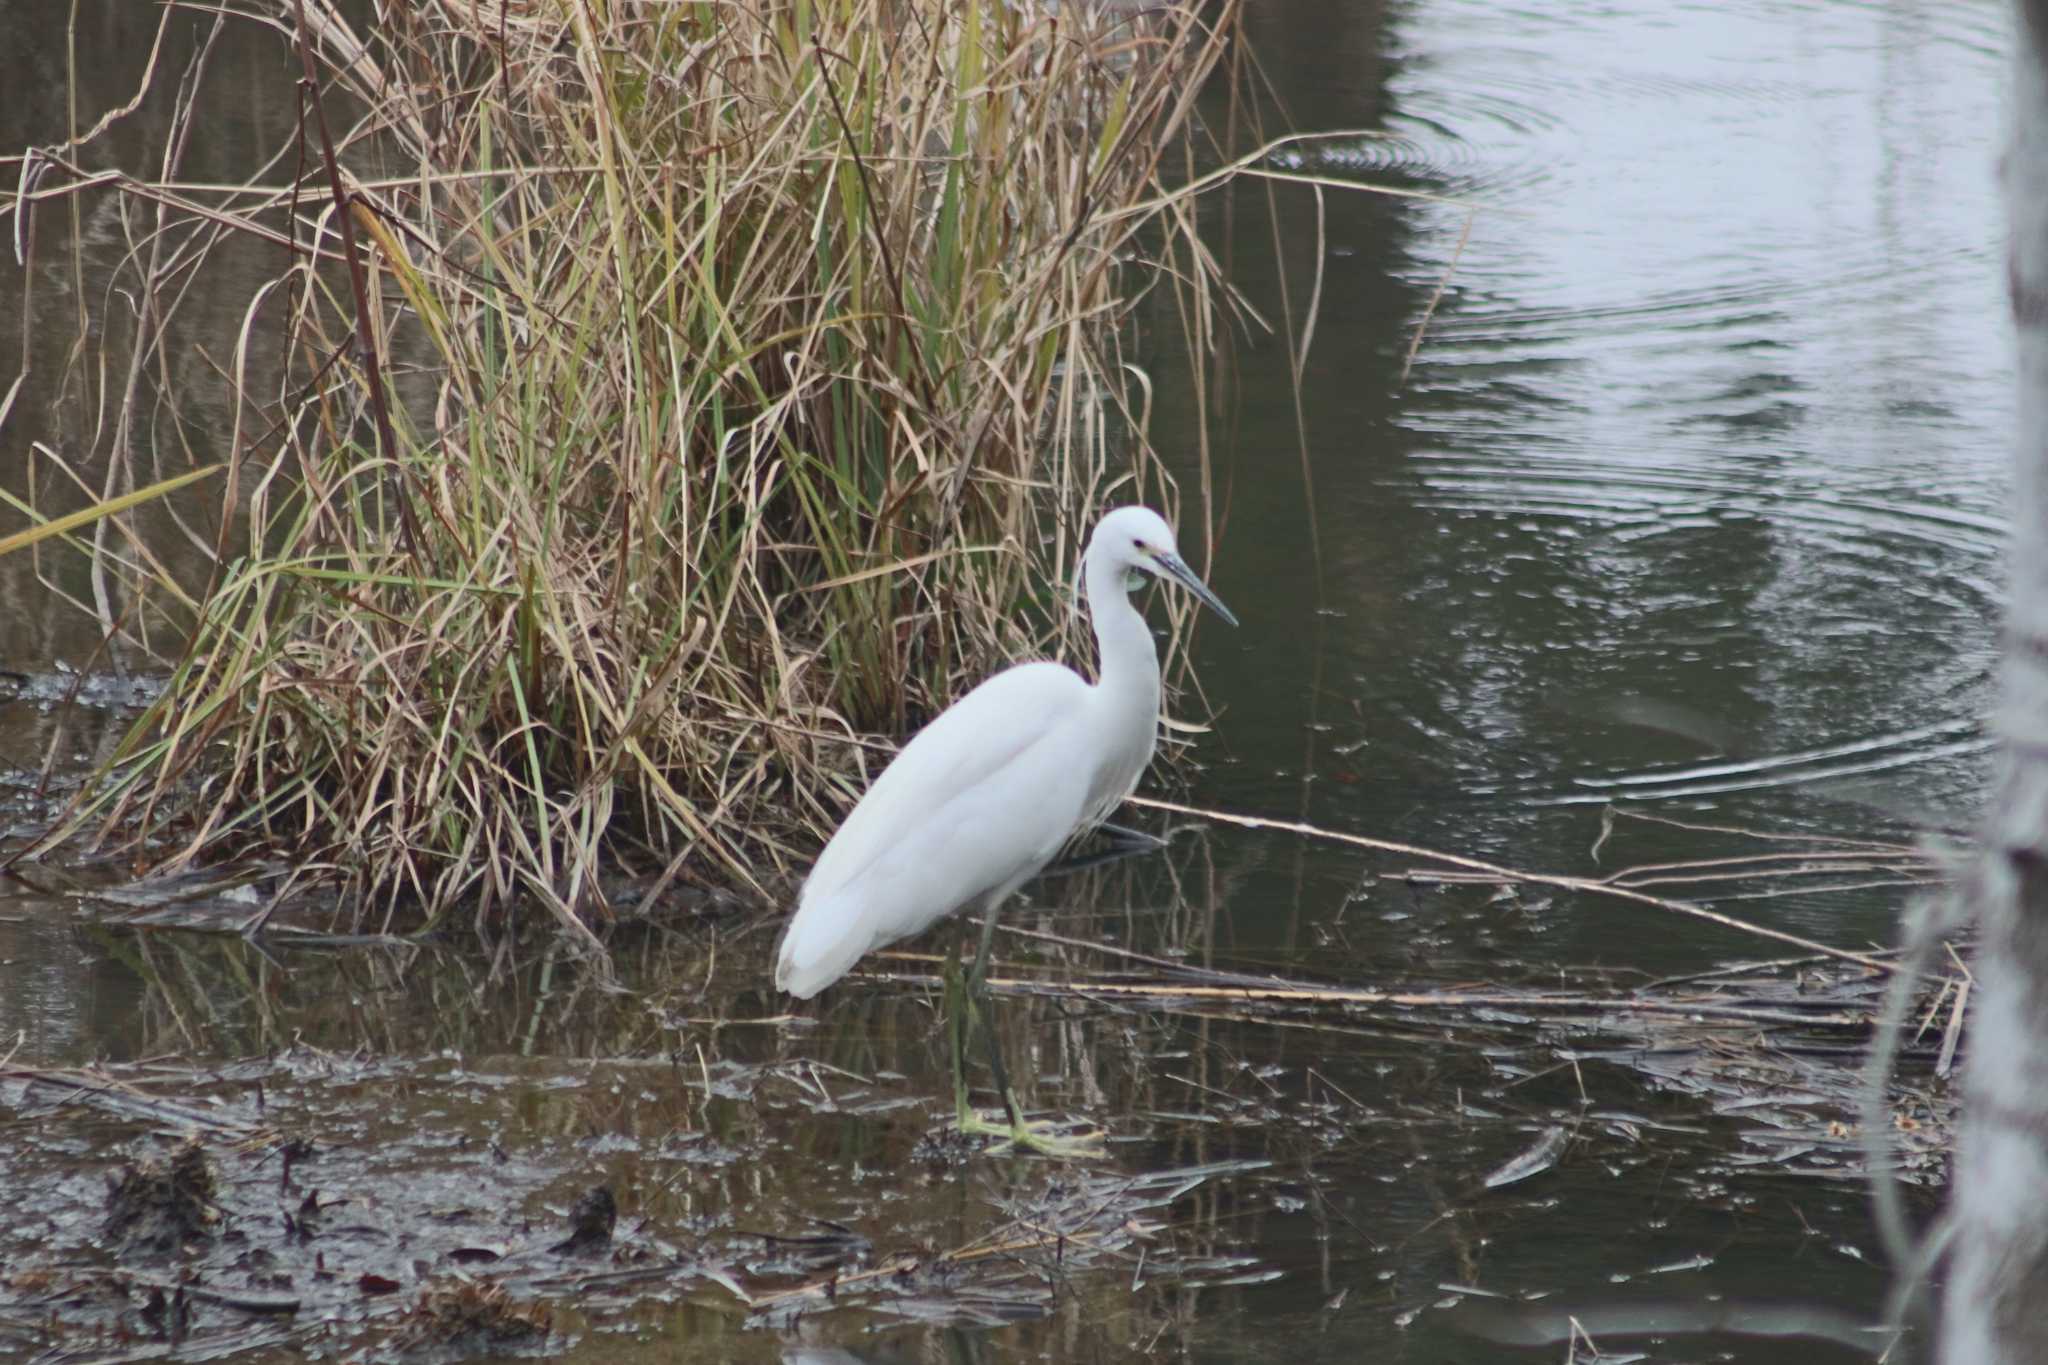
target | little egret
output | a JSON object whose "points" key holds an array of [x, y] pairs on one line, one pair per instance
{"points": [[983, 797]]}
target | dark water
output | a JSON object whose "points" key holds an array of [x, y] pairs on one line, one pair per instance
{"points": [[1693, 498], [1692, 501]]}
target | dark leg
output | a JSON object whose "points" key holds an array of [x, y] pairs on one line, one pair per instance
{"points": [[978, 998], [965, 1004], [1125, 836], [956, 1034], [1112, 844], [978, 977]]}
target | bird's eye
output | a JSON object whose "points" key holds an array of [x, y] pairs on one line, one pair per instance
{"points": [[1137, 543]]}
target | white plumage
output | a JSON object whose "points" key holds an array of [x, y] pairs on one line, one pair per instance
{"points": [[985, 795]]}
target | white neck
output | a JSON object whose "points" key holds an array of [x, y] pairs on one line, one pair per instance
{"points": [[1129, 661]]}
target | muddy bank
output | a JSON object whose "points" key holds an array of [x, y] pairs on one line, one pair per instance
{"points": [[406, 1148]]}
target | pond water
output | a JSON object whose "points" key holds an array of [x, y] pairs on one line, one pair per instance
{"points": [[1691, 501]]}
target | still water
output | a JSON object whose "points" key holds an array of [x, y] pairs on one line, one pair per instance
{"points": [[1691, 501], [1693, 498]]}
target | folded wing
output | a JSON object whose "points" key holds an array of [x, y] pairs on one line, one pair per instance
{"points": [[978, 801]]}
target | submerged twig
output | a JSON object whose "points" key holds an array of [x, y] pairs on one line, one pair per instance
{"points": [[1164, 994], [1588, 885], [102, 1091]]}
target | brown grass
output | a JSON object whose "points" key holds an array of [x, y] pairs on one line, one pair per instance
{"points": [[754, 372]]}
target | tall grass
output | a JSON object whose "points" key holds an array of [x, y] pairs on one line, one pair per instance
{"points": [[755, 371]]}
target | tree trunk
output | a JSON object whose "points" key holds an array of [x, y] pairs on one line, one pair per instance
{"points": [[1996, 1304]]}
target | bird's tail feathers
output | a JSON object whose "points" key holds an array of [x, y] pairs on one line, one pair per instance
{"points": [[819, 946]]}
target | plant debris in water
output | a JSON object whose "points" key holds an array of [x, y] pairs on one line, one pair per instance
{"points": [[471, 1317], [159, 1204], [407, 1225], [410, 1149], [590, 1223]]}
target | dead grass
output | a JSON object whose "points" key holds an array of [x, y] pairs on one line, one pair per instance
{"points": [[740, 380]]}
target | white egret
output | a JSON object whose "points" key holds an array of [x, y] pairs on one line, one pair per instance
{"points": [[982, 798]]}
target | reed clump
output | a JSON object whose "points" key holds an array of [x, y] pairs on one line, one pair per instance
{"points": [[752, 374]]}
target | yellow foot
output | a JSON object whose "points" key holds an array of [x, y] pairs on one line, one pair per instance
{"points": [[1062, 1140]]}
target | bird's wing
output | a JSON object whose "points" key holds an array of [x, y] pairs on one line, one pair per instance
{"points": [[971, 743], [980, 799]]}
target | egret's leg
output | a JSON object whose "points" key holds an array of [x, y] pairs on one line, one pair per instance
{"points": [[972, 996], [1109, 844], [977, 996], [977, 979], [956, 1036], [963, 1013], [1127, 837]]}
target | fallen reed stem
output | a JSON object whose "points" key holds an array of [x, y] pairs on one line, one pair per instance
{"points": [[1591, 886]]}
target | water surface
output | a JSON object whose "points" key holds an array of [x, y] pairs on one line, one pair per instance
{"points": [[1691, 501]]}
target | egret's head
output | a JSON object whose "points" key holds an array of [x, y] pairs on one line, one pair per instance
{"points": [[1137, 541]]}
